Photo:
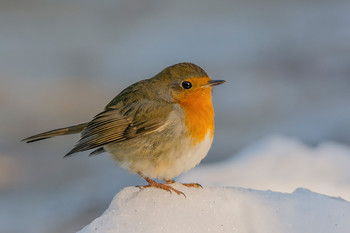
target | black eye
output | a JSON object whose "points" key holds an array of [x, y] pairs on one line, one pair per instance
{"points": [[186, 84]]}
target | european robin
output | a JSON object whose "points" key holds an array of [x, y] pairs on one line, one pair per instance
{"points": [[158, 127]]}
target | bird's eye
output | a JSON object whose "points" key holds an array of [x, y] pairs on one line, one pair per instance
{"points": [[186, 84]]}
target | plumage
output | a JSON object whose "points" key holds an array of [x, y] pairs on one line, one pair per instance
{"points": [[97, 151], [56, 132], [157, 127], [116, 125]]}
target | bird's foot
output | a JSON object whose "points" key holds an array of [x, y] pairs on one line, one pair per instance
{"points": [[191, 185], [165, 186]]}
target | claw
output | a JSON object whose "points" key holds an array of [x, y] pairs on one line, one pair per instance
{"points": [[169, 181], [165, 186], [193, 185], [149, 186]]}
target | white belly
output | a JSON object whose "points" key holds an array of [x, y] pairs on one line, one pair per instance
{"points": [[188, 160], [179, 159], [161, 155]]}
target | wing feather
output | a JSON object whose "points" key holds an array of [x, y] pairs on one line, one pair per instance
{"points": [[119, 124]]}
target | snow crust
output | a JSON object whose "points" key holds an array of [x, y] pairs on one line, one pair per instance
{"points": [[281, 164], [222, 210]]}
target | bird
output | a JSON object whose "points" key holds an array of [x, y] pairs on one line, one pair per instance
{"points": [[157, 128]]}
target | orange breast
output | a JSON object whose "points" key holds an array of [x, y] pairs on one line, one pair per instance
{"points": [[199, 113]]}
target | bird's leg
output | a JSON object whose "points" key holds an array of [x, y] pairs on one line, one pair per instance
{"points": [[193, 185], [166, 187], [169, 181]]}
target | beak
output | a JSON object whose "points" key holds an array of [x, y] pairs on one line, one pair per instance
{"points": [[212, 83]]}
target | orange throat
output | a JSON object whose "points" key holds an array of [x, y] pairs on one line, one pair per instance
{"points": [[199, 114]]}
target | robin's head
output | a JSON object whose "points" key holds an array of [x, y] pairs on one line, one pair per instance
{"points": [[185, 82]]}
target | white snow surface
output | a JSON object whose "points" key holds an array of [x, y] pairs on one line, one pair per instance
{"points": [[222, 210], [280, 164]]}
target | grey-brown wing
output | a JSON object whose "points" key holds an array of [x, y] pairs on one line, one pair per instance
{"points": [[112, 126], [108, 126]]}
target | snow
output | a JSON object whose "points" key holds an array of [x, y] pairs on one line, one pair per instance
{"points": [[287, 69], [222, 210], [280, 164]]}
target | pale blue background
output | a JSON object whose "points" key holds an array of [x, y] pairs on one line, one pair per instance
{"points": [[287, 66]]}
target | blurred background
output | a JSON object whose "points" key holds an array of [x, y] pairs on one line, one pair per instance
{"points": [[287, 66]]}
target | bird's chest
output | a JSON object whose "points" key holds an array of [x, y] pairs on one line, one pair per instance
{"points": [[192, 138], [199, 119], [181, 158], [195, 153]]}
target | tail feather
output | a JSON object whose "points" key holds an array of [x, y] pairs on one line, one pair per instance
{"points": [[98, 151], [56, 132]]}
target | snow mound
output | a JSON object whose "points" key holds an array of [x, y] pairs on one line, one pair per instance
{"points": [[281, 164], [222, 210]]}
